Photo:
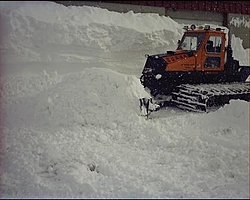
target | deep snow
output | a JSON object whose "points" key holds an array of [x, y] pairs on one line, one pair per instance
{"points": [[72, 126]]}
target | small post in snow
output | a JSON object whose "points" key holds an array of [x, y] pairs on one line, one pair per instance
{"points": [[144, 106]]}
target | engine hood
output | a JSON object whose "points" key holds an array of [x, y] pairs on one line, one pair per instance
{"points": [[157, 63]]}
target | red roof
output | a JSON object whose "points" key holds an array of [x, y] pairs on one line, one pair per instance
{"points": [[240, 7]]}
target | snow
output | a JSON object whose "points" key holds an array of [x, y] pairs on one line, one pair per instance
{"points": [[239, 53], [72, 126], [240, 21]]}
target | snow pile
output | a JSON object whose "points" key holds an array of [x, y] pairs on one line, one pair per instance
{"points": [[35, 27], [78, 134], [235, 113], [239, 53], [93, 97], [14, 87]]}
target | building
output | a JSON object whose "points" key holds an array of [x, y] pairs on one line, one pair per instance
{"points": [[233, 14]]}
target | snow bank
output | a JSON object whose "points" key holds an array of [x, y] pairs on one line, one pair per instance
{"points": [[34, 30], [239, 53], [18, 86], [86, 112], [235, 113], [93, 97]]}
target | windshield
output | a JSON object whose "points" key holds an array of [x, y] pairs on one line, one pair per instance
{"points": [[191, 41]]}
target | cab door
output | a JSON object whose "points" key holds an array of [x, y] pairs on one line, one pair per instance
{"points": [[213, 53]]}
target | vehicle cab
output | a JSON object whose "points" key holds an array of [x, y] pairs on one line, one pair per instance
{"points": [[206, 45]]}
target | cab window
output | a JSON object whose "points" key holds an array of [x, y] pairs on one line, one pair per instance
{"points": [[214, 44], [191, 41]]}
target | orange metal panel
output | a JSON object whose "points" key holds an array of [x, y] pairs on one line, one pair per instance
{"points": [[187, 64]]}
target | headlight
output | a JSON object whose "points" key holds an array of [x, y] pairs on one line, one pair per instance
{"points": [[158, 76]]}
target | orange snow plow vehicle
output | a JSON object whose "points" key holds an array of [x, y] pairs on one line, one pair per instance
{"points": [[201, 73]]}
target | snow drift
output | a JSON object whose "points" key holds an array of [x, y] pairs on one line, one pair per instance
{"points": [[72, 127], [35, 27]]}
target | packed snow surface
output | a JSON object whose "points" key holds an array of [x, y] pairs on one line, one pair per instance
{"points": [[71, 123]]}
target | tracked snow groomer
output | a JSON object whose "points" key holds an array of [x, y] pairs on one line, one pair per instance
{"points": [[201, 73]]}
